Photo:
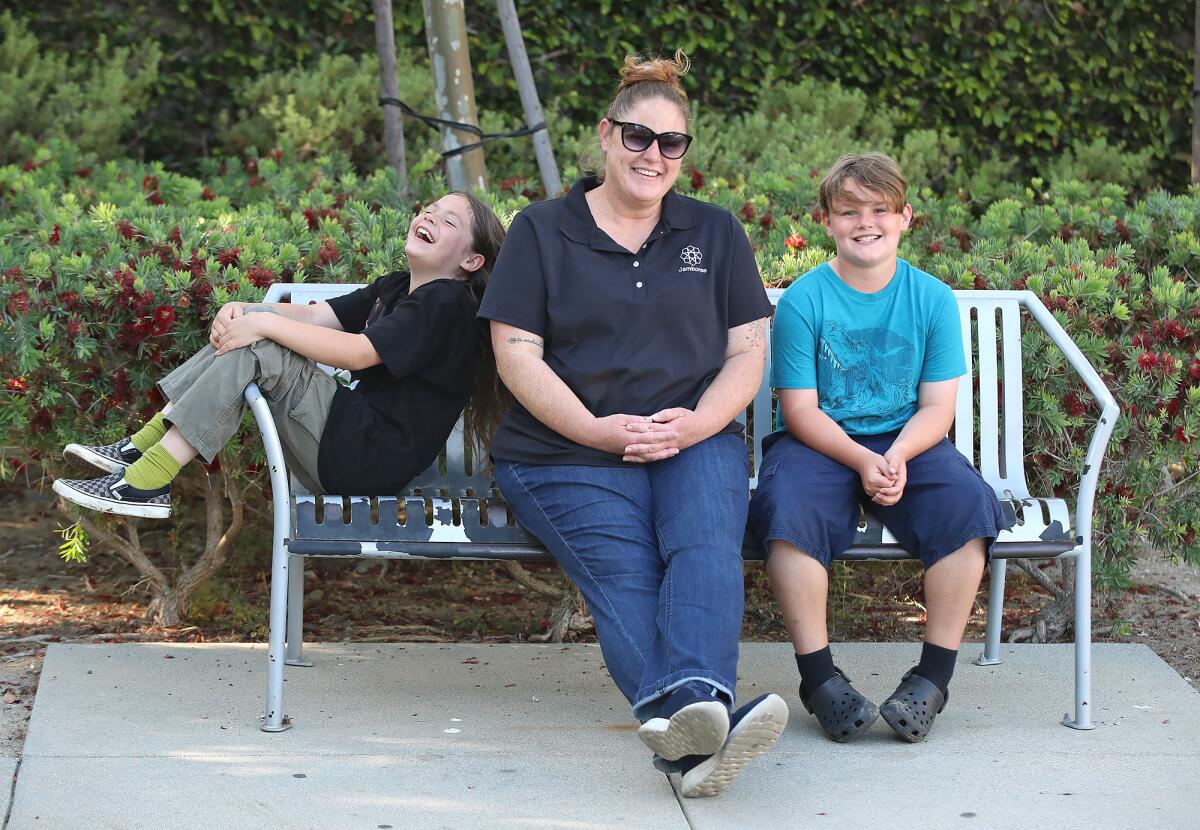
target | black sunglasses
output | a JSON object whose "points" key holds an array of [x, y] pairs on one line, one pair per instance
{"points": [[638, 137]]}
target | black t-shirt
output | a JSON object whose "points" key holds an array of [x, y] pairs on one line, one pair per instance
{"points": [[390, 427], [628, 332]]}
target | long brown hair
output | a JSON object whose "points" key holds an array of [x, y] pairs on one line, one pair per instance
{"points": [[490, 398]]}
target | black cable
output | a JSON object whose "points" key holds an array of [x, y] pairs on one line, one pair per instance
{"points": [[435, 122]]}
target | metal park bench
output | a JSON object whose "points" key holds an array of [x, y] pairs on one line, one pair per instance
{"points": [[454, 511]]}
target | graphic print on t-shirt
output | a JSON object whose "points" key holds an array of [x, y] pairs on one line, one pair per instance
{"points": [[863, 372]]}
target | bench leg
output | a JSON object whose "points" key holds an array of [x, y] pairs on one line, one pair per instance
{"points": [[274, 719], [991, 647], [1083, 642], [295, 613]]}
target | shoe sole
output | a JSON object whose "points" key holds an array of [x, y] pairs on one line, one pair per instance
{"points": [[900, 720], [754, 735], [697, 729], [120, 508], [94, 459]]}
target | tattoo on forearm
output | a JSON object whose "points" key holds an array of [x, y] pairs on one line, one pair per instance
{"points": [[532, 340], [755, 334]]}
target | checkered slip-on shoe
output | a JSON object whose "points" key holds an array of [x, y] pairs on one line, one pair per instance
{"points": [[113, 494], [111, 458]]}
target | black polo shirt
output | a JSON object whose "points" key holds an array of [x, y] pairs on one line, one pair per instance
{"points": [[628, 332], [391, 425]]}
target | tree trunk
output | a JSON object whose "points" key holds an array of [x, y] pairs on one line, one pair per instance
{"points": [[393, 124], [1055, 620], [454, 90], [1196, 97]]}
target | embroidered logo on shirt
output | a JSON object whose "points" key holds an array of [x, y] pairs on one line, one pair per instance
{"points": [[692, 258]]}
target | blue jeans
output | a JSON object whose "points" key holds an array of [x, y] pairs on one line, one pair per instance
{"points": [[656, 550]]}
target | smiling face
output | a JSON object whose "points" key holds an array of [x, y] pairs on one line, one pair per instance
{"points": [[642, 178], [866, 227], [439, 240]]}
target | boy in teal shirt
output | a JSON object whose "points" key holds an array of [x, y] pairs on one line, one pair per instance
{"points": [[867, 354]]}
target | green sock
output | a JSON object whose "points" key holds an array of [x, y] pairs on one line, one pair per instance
{"points": [[156, 468], [150, 434]]}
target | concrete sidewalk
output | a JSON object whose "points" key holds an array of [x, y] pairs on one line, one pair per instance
{"points": [[522, 736]]}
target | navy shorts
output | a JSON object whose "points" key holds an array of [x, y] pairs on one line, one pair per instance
{"points": [[811, 501]]}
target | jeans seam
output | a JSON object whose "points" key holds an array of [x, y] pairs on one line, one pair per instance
{"points": [[567, 546]]}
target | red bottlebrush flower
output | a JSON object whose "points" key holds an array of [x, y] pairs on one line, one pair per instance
{"points": [[214, 467], [1123, 280], [310, 216], [207, 194], [1122, 231], [260, 277], [817, 216], [795, 242], [1132, 411], [935, 247], [126, 230], [980, 283], [83, 172], [748, 211], [1074, 405], [150, 183], [164, 315], [154, 198], [1173, 406], [1019, 284], [176, 237], [814, 172], [276, 154], [14, 274], [17, 385], [201, 287], [184, 301], [767, 222], [697, 179], [1109, 261], [1182, 437], [328, 252], [1147, 360], [250, 166], [55, 236], [255, 181], [41, 421], [29, 166], [1194, 370], [69, 300], [1168, 361], [18, 303], [227, 256], [1141, 340]]}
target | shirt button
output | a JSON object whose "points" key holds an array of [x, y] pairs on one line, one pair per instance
{"points": [[639, 285], [636, 263]]}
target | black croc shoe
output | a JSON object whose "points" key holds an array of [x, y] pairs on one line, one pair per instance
{"points": [[844, 714], [913, 706]]}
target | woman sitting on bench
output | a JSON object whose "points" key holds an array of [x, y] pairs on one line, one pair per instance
{"points": [[410, 339], [628, 322]]}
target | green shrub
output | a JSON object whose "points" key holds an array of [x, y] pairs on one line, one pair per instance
{"points": [[98, 101], [333, 106]]}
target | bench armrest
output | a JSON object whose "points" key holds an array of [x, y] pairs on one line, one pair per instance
{"points": [[1104, 399]]}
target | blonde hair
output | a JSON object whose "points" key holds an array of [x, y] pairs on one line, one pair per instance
{"points": [[873, 171], [642, 79]]}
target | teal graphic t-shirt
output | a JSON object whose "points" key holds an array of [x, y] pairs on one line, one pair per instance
{"points": [[865, 354]]}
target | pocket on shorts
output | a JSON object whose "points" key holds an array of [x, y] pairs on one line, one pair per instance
{"points": [[310, 412]]}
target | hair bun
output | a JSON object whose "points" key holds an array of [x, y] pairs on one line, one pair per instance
{"points": [[657, 70]]}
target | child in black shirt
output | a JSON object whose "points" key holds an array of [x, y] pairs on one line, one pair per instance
{"points": [[410, 339]]}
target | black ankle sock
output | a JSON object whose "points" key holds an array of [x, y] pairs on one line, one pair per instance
{"points": [[937, 665], [815, 668]]}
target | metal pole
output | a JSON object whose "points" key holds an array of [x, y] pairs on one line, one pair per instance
{"points": [[454, 89], [1196, 97], [529, 97], [393, 125]]}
